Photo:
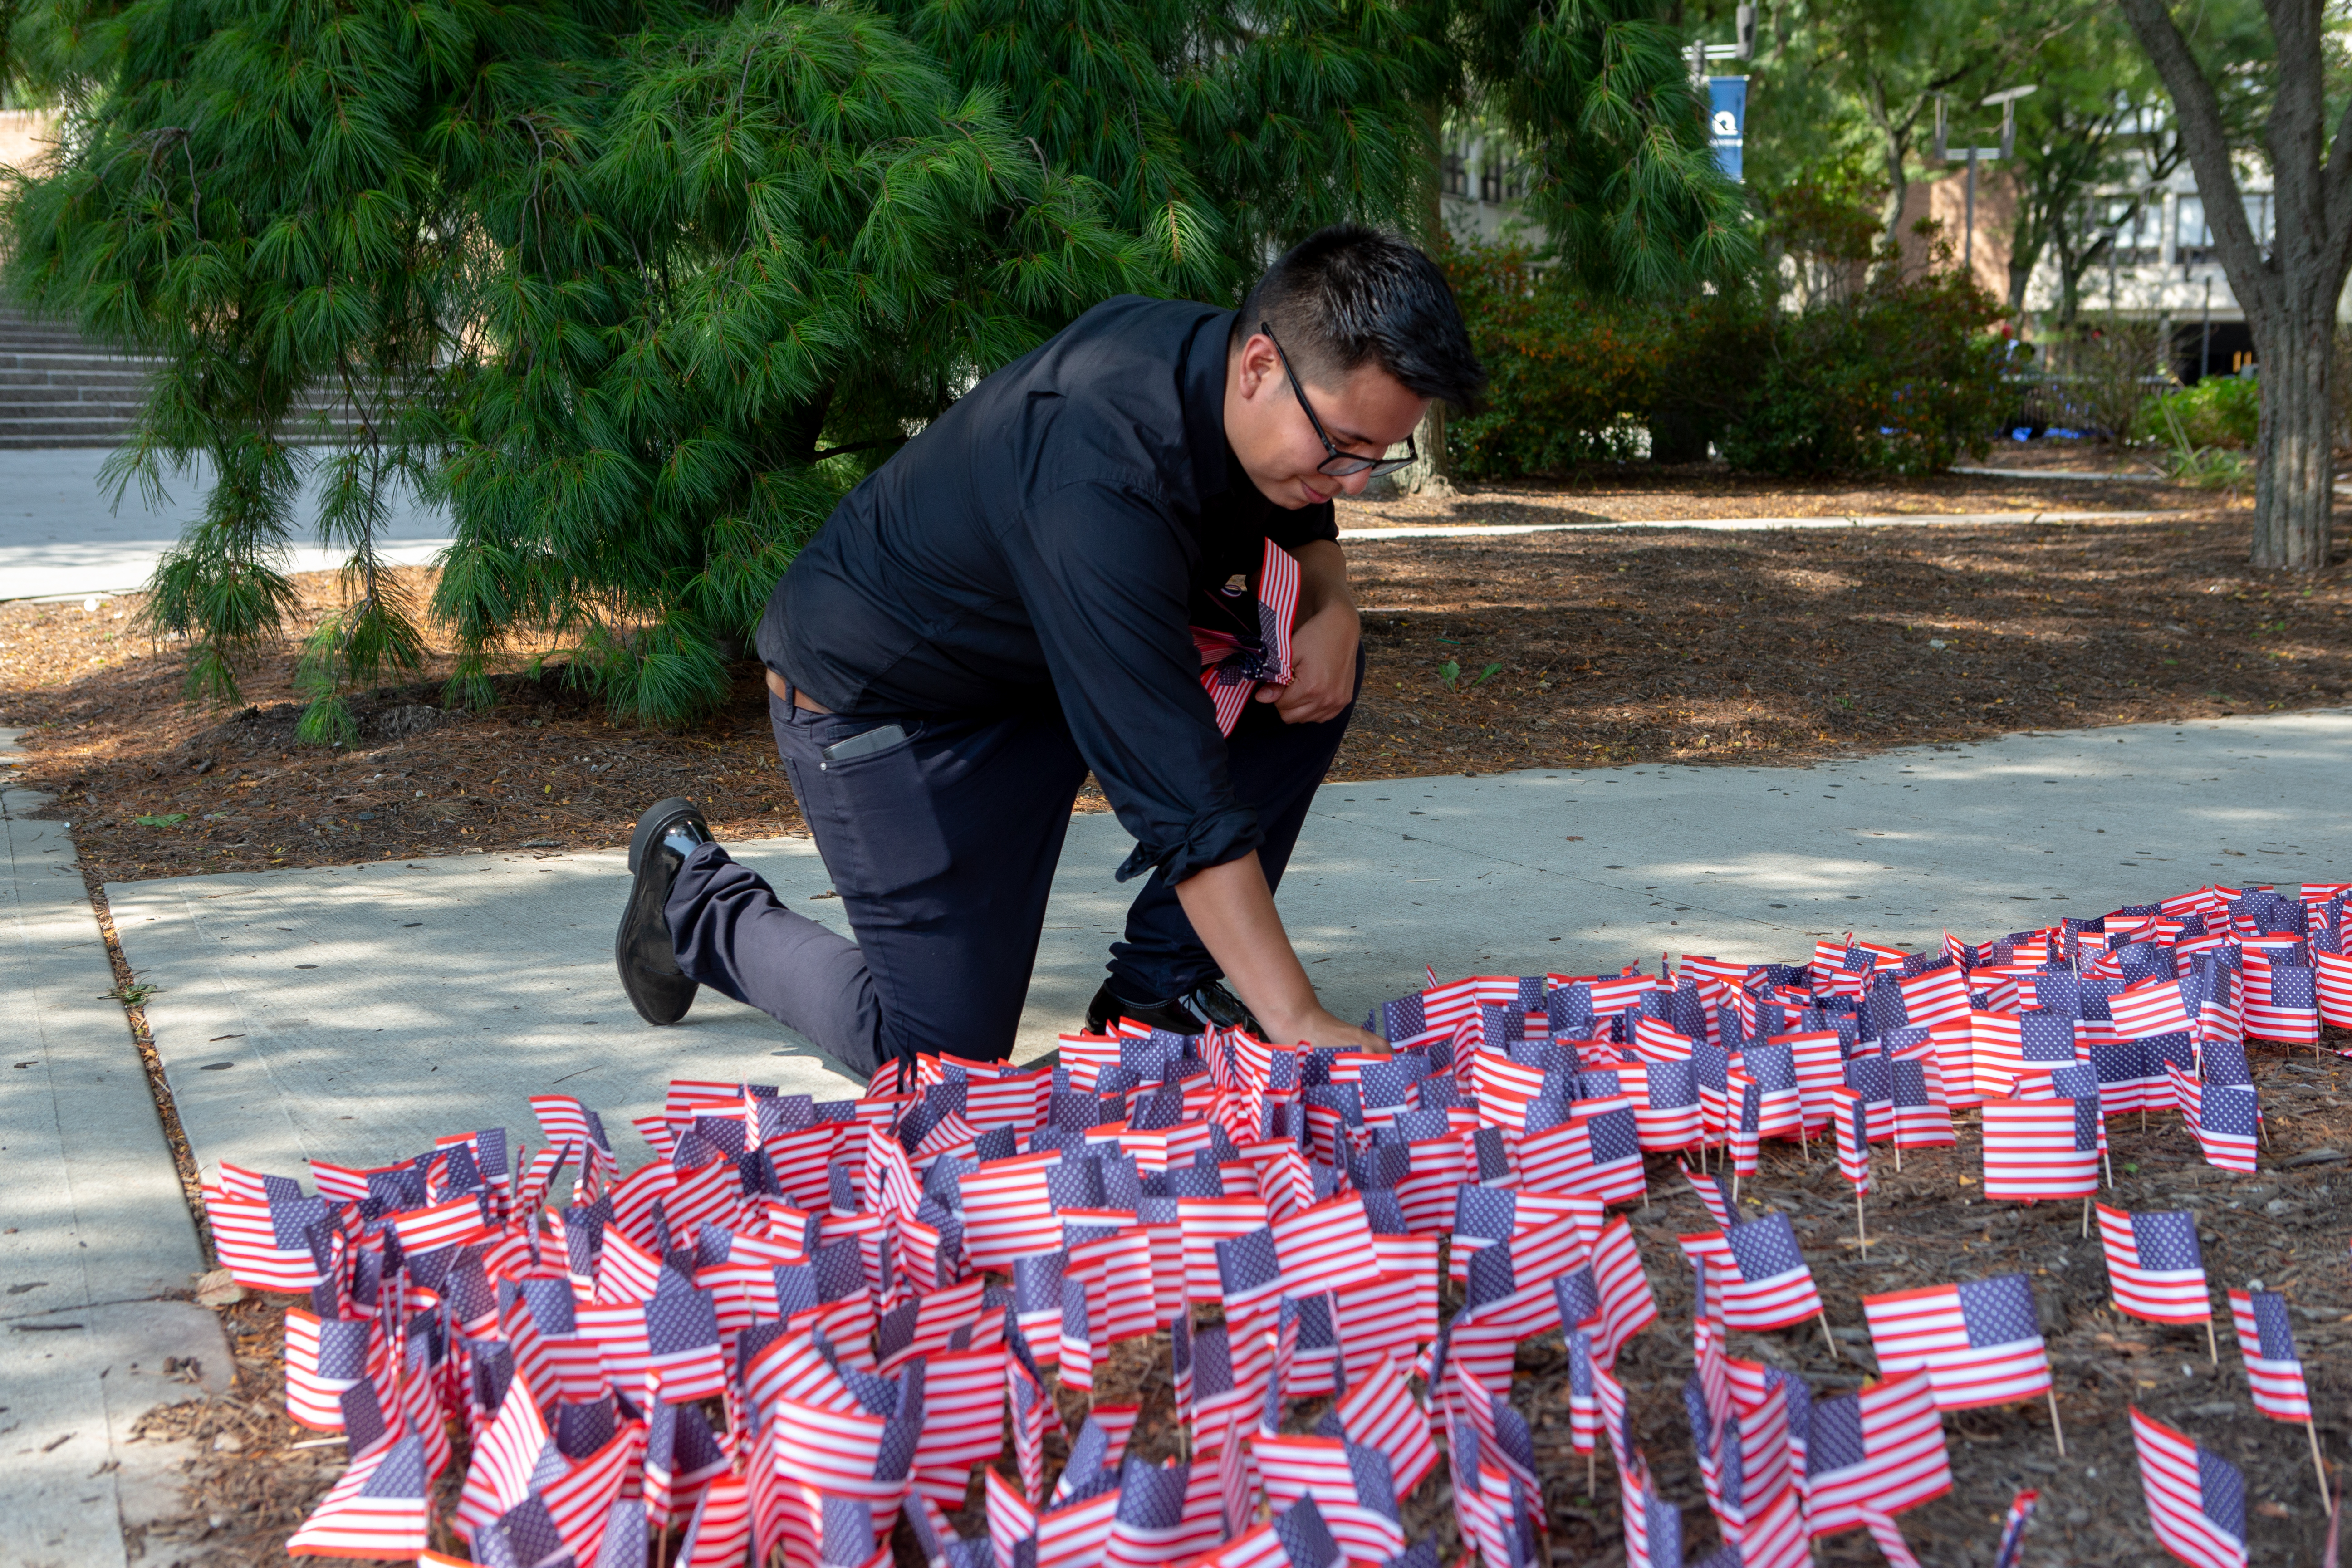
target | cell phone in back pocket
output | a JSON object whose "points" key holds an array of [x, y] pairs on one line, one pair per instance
{"points": [[863, 744]]}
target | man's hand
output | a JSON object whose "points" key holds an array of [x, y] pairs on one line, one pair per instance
{"points": [[1326, 1030], [1323, 645], [1322, 668]]}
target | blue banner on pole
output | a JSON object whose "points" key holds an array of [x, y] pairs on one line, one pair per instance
{"points": [[1728, 121]]}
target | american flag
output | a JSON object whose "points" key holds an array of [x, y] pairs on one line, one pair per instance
{"points": [[2155, 1270], [1665, 1105], [681, 1457], [2151, 1007], [1714, 1194], [508, 1456], [2012, 1529], [1205, 1222], [1655, 1040], [1871, 1076], [281, 1242], [324, 1357], [1250, 1273], [1596, 1154], [1744, 1119], [2221, 1117], [1849, 1126], [1296, 1539], [2196, 1498], [1074, 1534], [1152, 1523], [1350, 1484], [1012, 1519], [2127, 1078], [1889, 1536], [1762, 1277], [839, 1451], [1326, 1248], [2290, 1010], [1232, 667], [1923, 1116], [377, 1509], [1379, 1411], [1881, 1448], [2036, 1149], [1980, 1341], [1779, 1104], [2332, 979], [1935, 998], [2267, 1342]]}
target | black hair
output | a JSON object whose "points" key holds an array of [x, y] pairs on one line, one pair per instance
{"points": [[1348, 294]]}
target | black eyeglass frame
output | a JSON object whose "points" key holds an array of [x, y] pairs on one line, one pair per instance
{"points": [[1339, 465]]}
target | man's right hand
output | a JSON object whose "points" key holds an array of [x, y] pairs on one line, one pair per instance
{"points": [[1325, 1031]]}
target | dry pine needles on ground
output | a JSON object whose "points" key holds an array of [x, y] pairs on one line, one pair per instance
{"points": [[1485, 654]]}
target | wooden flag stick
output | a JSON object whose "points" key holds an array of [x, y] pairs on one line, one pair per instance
{"points": [[1861, 1226], [1899, 1155], [2107, 1161], [1592, 1481], [2213, 1351], [1827, 1338], [2317, 1463], [2086, 1225], [2056, 1430]]}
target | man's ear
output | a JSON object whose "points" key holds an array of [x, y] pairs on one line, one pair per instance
{"points": [[1259, 359]]}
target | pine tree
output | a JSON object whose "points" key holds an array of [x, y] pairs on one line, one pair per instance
{"points": [[639, 288]]}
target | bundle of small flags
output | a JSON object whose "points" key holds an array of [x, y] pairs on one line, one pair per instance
{"points": [[802, 1322]]}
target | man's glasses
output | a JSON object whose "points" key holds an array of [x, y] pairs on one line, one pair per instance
{"points": [[1338, 465]]}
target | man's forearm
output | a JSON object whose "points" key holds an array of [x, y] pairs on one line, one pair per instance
{"points": [[1322, 578], [1232, 911]]}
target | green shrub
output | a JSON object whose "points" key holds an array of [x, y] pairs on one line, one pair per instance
{"points": [[1570, 378], [1903, 377], [2218, 411]]}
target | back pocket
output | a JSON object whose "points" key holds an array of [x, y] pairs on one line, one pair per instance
{"points": [[884, 821]]}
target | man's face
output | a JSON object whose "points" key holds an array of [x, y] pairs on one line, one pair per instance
{"points": [[1365, 414]]}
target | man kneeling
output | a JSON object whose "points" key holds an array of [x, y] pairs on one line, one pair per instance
{"points": [[1106, 556]]}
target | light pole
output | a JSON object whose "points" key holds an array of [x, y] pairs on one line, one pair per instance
{"points": [[2006, 98]]}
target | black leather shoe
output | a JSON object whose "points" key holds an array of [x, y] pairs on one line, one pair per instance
{"points": [[1206, 1006], [643, 952]]}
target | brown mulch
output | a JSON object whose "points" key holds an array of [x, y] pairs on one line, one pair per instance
{"points": [[1649, 644], [249, 1487]]}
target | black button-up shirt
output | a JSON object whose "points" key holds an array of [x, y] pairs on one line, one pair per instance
{"points": [[1053, 536]]}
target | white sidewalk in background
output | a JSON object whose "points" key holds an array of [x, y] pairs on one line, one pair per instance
{"points": [[358, 1012], [97, 1250], [61, 534], [1738, 524]]}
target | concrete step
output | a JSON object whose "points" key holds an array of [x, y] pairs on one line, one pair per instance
{"points": [[127, 377]]}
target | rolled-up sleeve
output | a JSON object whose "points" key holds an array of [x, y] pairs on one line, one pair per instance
{"points": [[1103, 571]]}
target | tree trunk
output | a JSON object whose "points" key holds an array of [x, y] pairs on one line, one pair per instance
{"points": [[2294, 490], [2289, 295]]}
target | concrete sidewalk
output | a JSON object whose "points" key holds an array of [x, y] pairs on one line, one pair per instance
{"points": [[353, 1014], [97, 1250], [61, 534]]}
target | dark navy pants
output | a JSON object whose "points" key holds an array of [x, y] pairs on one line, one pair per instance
{"points": [[943, 849]]}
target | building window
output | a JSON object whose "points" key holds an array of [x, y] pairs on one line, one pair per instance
{"points": [[1456, 176], [2192, 239]]}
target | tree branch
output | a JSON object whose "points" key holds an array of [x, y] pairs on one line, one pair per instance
{"points": [[2197, 111]]}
